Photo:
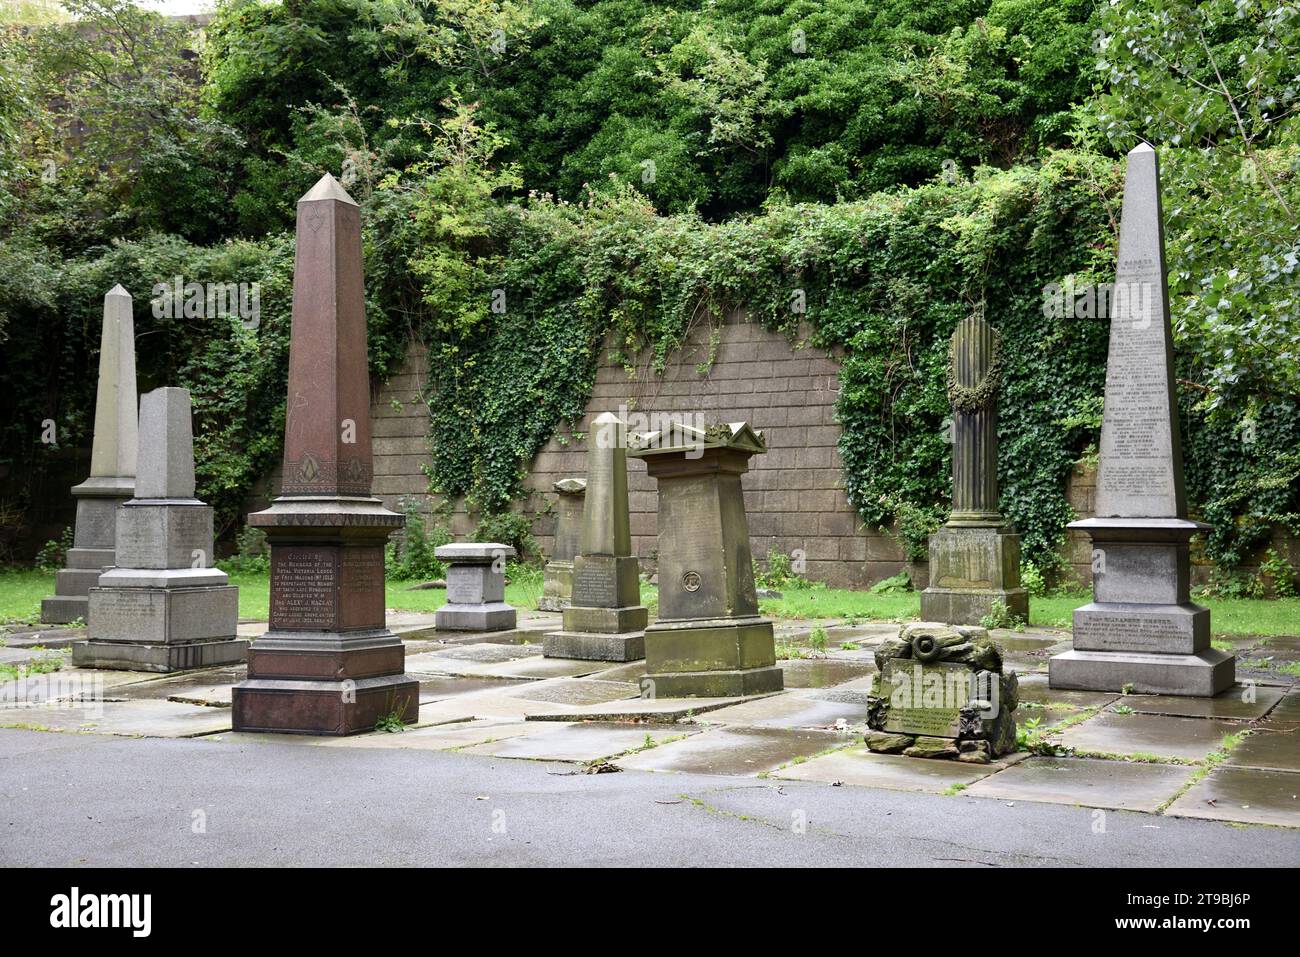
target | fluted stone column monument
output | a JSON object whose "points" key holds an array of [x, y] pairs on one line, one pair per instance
{"points": [[709, 639], [163, 607], [975, 557], [328, 664], [605, 620], [112, 466], [1141, 630], [557, 577]]}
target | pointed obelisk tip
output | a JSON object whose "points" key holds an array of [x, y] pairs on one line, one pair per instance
{"points": [[1141, 149], [327, 187], [117, 291]]}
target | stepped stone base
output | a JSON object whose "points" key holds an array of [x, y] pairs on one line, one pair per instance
{"points": [[957, 606], [62, 609], [1201, 675], [135, 656], [711, 658], [592, 646], [336, 708], [490, 616]]}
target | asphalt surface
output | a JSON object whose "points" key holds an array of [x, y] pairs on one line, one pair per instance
{"points": [[94, 800]]}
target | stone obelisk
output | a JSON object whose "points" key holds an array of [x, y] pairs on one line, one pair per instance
{"points": [[1141, 632], [975, 557], [328, 664], [709, 639], [605, 620], [112, 466], [557, 577], [163, 607]]}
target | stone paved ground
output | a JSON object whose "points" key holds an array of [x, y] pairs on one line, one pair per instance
{"points": [[1235, 758]]}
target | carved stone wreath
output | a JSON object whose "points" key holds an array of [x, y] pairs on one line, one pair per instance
{"points": [[973, 398]]}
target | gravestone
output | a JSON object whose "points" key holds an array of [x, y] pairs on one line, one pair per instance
{"points": [[476, 587], [975, 557], [708, 639], [112, 466], [163, 607], [605, 620], [940, 692], [328, 664], [557, 577], [1141, 631]]}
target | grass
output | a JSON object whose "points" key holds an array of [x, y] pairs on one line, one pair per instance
{"points": [[21, 591]]}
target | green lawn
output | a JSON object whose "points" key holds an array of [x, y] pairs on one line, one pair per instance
{"points": [[21, 591]]}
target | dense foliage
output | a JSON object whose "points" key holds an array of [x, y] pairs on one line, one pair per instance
{"points": [[538, 176]]}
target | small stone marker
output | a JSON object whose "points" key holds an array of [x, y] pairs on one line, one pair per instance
{"points": [[112, 466], [1142, 630], [164, 607], [605, 620], [975, 557], [328, 664], [476, 587], [709, 639], [940, 692], [557, 577]]}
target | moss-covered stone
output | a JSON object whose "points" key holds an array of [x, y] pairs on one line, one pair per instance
{"points": [[882, 742]]}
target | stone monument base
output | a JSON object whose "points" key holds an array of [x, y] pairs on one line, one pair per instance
{"points": [[971, 567], [958, 606], [138, 656], [1201, 675], [490, 616], [699, 659], [97, 502], [557, 586], [593, 646]]}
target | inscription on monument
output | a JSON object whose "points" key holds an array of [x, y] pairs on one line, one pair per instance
{"points": [[302, 587], [924, 699], [595, 585], [122, 614]]}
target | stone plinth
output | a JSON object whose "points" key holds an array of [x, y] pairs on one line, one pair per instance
{"points": [[975, 557], [162, 608], [605, 620], [709, 639], [328, 664], [940, 692], [1141, 632], [476, 587], [557, 577], [112, 466]]}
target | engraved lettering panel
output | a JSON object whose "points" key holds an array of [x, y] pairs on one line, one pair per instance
{"points": [[361, 587], [1111, 631], [595, 584], [116, 614], [303, 587], [924, 699]]}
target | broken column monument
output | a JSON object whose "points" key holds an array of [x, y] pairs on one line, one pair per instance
{"points": [[163, 607], [605, 620], [1141, 632], [557, 576], [709, 639], [476, 587], [975, 557], [112, 466], [328, 664]]}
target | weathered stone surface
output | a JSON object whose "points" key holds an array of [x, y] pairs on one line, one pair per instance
{"points": [[328, 664], [709, 639], [1128, 734], [586, 741], [737, 751], [112, 465], [1273, 746], [1118, 785], [1238, 703], [927, 747], [476, 587], [883, 742], [894, 772], [1142, 612], [794, 710], [557, 577], [166, 453], [1244, 795]]}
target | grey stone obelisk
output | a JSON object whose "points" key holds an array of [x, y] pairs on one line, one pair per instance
{"points": [[1142, 631], [557, 577], [605, 620], [163, 607], [975, 557], [112, 465]]}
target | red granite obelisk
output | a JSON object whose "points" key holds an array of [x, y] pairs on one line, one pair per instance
{"points": [[328, 664]]}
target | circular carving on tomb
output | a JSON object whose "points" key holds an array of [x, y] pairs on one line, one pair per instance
{"points": [[926, 648], [691, 581]]}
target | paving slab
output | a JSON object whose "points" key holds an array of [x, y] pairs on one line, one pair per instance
{"points": [[67, 684], [735, 751], [1086, 782], [1288, 709], [1244, 795], [45, 637], [793, 710], [578, 691], [1239, 702], [862, 768], [1188, 739], [451, 736], [1034, 690], [441, 687], [822, 672], [632, 671], [149, 719], [506, 661], [1271, 745], [657, 710], [587, 741], [1010, 643], [1047, 717]]}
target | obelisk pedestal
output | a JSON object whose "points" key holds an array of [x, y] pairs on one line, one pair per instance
{"points": [[112, 466], [328, 664], [975, 557], [163, 607], [557, 576], [1141, 632], [476, 587], [708, 639], [605, 620]]}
